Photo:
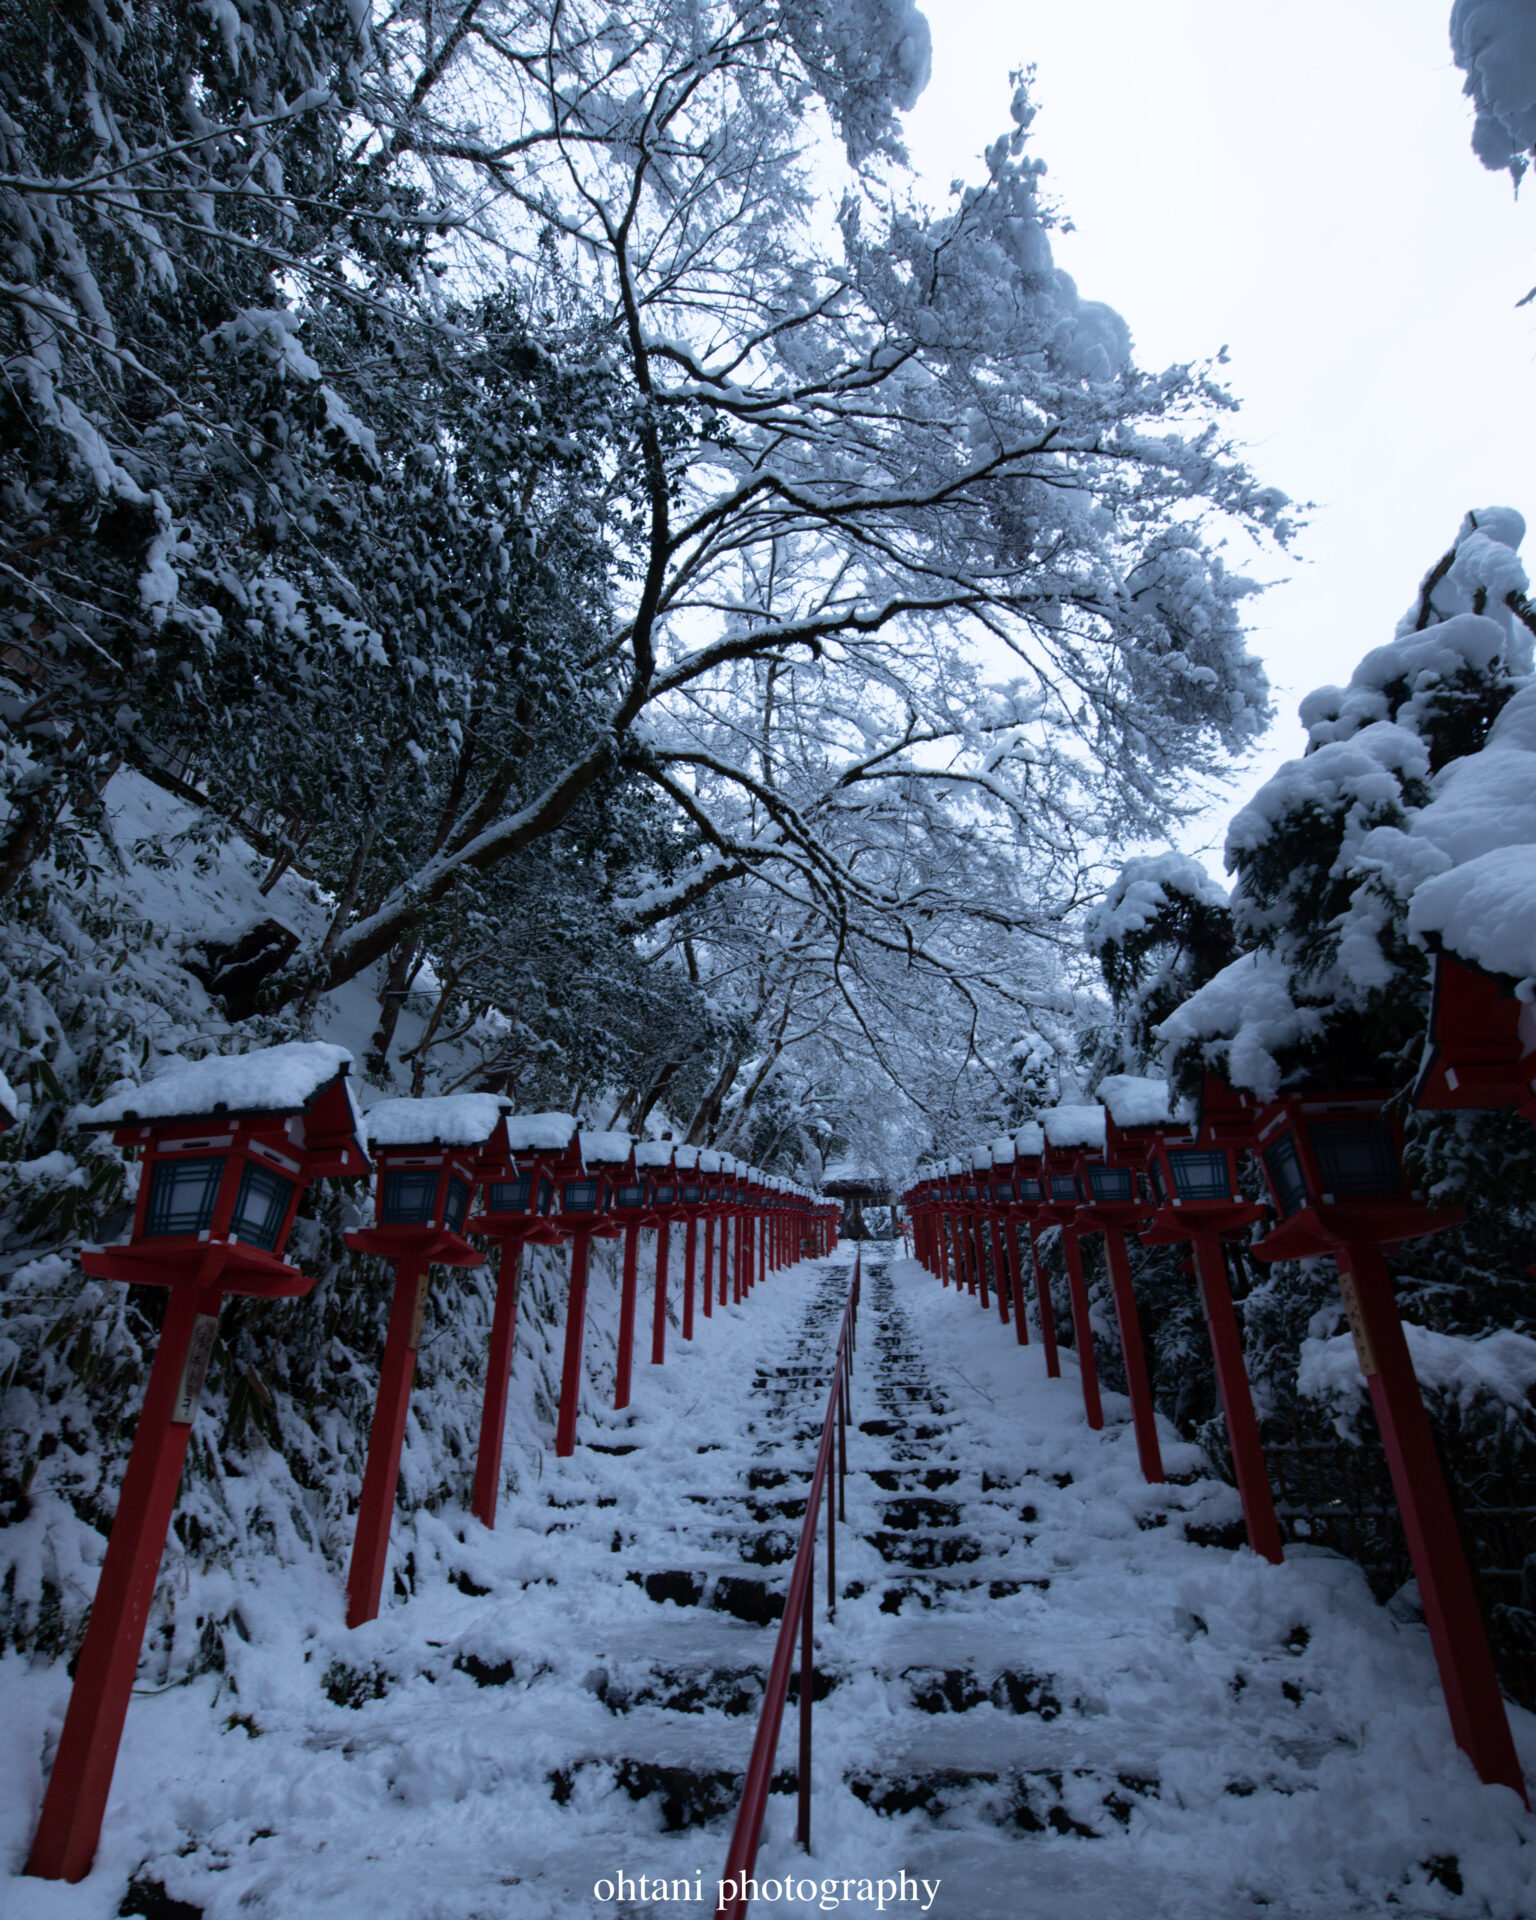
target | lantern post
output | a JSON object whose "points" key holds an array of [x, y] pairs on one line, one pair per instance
{"points": [[711, 1182], [1332, 1161], [690, 1194], [654, 1163], [1116, 1204], [515, 1197], [226, 1147], [1192, 1171], [1061, 1196], [582, 1201], [629, 1209], [1005, 1235], [1030, 1195], [427, 1152]]}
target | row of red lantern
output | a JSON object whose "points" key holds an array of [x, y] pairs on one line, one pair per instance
{"points": [[1332, 1166], [226, 1148]]}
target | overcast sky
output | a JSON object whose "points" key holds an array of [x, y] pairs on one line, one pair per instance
{"points": [[1295, 183]]}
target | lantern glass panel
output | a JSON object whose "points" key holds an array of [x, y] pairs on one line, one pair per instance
{"points": [[1002, 1192], [578, 1196], [1285, 1174], [1029, 1189], [181, 1195], [1063, 1186], [1155, 1175], [410, 1197], [261, 1206], [1356, 1156], [546, 1192], [458, 1203], [1111, 1183], [509, 1196], [665, 1196], [693, 1195], [972, 1193], [1199, 1174], [629, 1196]]}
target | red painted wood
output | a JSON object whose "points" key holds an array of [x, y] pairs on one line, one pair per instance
{"points": [[1046, 1311], [1010, 1235], [629, 1289], [498, 1381], [1137, 1379], [1000, 1270], [381, 1475], [709, 1266], [690, 1239], [979, 1255], [575, 1334], [1082, 1328], [1478, 1719], [1237, 1399], [659, 1307], [76, 1798]]}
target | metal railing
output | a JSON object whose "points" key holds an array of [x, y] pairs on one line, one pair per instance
{"points": [[799, 1617]]}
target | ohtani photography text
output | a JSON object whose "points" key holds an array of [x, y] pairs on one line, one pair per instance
{"points": [[826, 1894]]}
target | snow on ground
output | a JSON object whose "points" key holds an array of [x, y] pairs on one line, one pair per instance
{"points": [[1190, 1734]]}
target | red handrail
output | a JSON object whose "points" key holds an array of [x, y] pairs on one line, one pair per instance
{"points": [[799, 1613]]}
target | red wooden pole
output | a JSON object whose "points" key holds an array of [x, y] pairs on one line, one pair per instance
{"points": [[741, 1241], [1087, 1365], [498, 1381], [941, 1221], [1000, 1270], [1010, 1235], [979, 1254], [1046, 1310], [575, 1334], [381, 1475], [709, 1265], [1237, 1398], [1138, 1381], [1478, 1719], [659, 1310], [109, 1657], [629, 1288], [690, 1238]]}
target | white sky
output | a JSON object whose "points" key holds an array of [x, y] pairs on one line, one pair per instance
{"points": [[1296, 183]]}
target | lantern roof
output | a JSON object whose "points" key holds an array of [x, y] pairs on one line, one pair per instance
{"points": [[540, 1132], [654, 1153], [1003, 1152], [270, 1082], [686, 1159], [1135, 1100], [981, 1159], [437, 1120], [710, 1161], [608, 1149], [1074, 1126]]}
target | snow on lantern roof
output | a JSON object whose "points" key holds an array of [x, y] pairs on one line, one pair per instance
{"points": [[654, 1153], [1134, 1100], [981, 1159], [607, 1149], [436, 1120], [270, 1080], [709, 1160], [685, 1158], [1483, 820], [1076, 1126], [1029, 1141], [540, 1132], [1002, 1152]]}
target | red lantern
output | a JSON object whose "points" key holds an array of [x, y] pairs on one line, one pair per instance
{"points": [[1332, 1163], [1482, 1042], [226, 1147], [428, 1154], [1193, 1173], [1115, 1204], [1067, 1131], [516, 1196], [583, 1192]]}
